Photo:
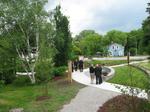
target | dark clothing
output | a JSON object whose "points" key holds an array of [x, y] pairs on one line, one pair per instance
{"points": [[98, 79], [98, 73], [72, 66], [75, 65], [92, 69], [81, 65]]}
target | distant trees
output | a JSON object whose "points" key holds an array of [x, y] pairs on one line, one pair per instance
{"points": [[88, 42], [116, 37], [134, 44]]}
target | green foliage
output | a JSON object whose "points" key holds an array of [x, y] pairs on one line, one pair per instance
{"points": [[22, 81], [88, 43], [2, 83], [45, 63], [116, 37], [23, 26], [62, 38], [146, 39], [134, 42], [83, 34], [59, 71], [43, 71]]}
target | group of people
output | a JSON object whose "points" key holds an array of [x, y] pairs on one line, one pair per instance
{"points": [[77, 64], [96, 72]]}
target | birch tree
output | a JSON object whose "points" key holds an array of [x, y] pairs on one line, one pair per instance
{"points": [[23, 20]]}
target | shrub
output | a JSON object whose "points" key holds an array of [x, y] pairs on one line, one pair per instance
{"points": [[43, 71], [59, 71], [22, 81], [122, 103], [2, 83]]}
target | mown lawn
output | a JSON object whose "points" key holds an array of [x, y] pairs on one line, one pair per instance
{"points": [[145, 65], [60, 92], [124, 75], [105, 62]]}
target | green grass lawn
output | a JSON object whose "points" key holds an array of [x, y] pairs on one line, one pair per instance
{"points": [[145, 65], [60, 93], [123, 76], [105, 62]]}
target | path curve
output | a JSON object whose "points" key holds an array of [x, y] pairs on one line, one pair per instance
{"points": [[84, 78], [90, 98]]}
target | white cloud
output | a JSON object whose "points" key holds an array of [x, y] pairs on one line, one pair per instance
{"points": [[102, 15]]}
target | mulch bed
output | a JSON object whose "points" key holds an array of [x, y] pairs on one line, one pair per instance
{"points": [[57, 78], [41, 98], [124, 103]]}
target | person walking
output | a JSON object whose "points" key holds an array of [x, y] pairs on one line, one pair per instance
{"points": [[81, 65], [98, 73], [92, 73], [76, 65]]}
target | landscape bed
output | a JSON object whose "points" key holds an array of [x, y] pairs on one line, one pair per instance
{"points": [[125, 103]]}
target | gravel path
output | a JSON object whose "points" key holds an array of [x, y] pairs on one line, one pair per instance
{"points": [[89, 99]]}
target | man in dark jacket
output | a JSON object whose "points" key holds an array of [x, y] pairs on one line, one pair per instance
{"points": [[76, 65], [98, 73], [81, 65]]}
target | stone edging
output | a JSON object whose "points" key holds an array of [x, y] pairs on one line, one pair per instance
{"points": [[110, 75]]}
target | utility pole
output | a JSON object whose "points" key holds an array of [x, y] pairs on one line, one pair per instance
{"points": [[128, 51]]}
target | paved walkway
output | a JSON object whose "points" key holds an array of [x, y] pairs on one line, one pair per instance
{"points": [[90, 98], [84, 78]]}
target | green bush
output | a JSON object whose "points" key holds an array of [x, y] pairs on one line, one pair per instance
{"points": [[43, 71], [2, 83], [22, 81], [59, 71]]}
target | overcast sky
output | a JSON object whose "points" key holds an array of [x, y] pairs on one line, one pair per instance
{"points": [[102, 15]]}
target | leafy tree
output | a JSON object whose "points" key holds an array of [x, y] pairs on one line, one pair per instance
{"points": [[83, 34], [62, 38], [22, 21], [135, 42], [116, 37], [89, 42], [146, 39]]}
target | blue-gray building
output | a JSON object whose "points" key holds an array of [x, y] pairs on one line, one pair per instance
{"points": [[115, 49]]}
